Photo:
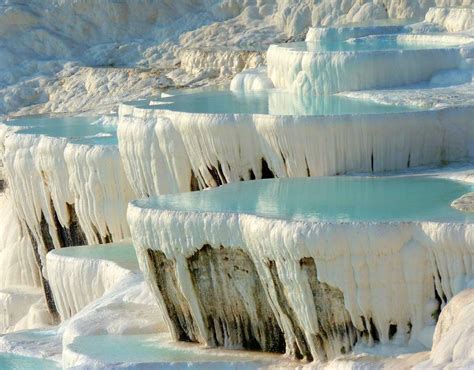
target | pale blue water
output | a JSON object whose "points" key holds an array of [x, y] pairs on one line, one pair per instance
{"points": [[42, 341], [274, 102], [10, 361], [158, 353], [121, 253], [80, 130], [369, 43], [330, 199]]}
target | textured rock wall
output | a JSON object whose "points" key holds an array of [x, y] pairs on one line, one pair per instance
{"points": [[381, 281], [168, 152], [235, 304]]}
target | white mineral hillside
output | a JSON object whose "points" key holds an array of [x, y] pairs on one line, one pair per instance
{"points": [[131, 234], [47, 47]]}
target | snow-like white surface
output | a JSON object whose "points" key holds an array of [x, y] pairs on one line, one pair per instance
{"points": [[453, 342], [47, 175], [217, 63], [22, 308], [160, 148], [45, 44], [453, 19], [77, 280], [446, 88], [16, 252], [251, 80], [127, 308], [62, 56]]}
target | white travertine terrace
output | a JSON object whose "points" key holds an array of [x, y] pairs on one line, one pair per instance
{"points": [[162, 150], [322, 73], [251, 80], [63, 194], [385, 282], [51, 175], [389, 273], [77, 279]]}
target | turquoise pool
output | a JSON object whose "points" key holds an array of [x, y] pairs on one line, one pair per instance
{"points": [[121, 253], [369, 43], [80, 130], [155, 352], [9, 361], [274, 102], [329, 199]]}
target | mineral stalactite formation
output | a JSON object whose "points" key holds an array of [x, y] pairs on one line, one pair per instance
{"points": [[167, 152], [293, 178], [64, 194], [314, 288]]}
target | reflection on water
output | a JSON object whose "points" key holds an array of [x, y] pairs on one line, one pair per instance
{"points": [[330, 199], [275, 102], [368, 43]]}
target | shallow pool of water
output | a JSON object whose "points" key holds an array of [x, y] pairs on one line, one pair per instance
{"points": [[9, 361], [369, 43], [330, 199], [156, 349], [121, 253], [80, 130], [274, 102]]}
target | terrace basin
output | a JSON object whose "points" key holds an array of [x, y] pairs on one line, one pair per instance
{"points": [[370, 62], [308, 267], [92, 130]]}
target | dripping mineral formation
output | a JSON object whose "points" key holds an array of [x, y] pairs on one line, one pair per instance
{"points": [[307, 267], [296, 180]]}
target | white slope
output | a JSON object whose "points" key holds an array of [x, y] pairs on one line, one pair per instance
{"points": [[40, 39], [78, 277], [453, 342]]}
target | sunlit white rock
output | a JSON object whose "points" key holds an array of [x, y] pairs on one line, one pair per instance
{"points": [[251, 80], [390, 273], [453, 342], [322, 72], [162, 150], [78, 277], [453, 19]]}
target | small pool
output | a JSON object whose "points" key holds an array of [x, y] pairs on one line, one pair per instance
{"points": [[122, 254], [329, 199], [10, 361], [374, 43], [154, 350], [90, 130], [273, 102]]}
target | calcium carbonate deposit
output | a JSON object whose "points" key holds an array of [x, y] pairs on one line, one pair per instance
{"points": [[237, 184]]}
